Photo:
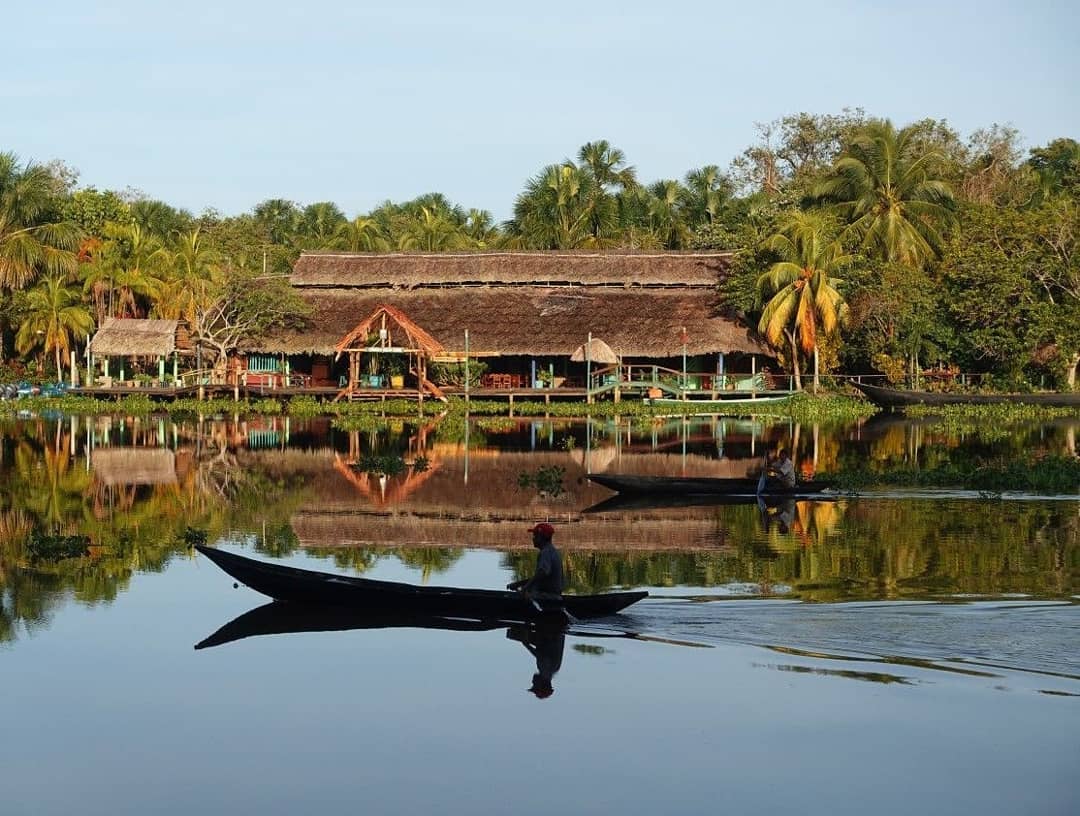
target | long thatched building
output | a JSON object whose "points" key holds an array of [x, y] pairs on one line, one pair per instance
{"points": [[525, 312]]}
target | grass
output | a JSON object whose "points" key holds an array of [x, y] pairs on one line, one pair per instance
{"points": [[802, 408], [1038, 474]]}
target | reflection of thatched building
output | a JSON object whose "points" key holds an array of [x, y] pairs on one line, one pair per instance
{"points": [[524, 310], [477, 502]]}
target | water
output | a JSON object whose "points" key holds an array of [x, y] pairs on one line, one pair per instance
{"points": [[871, 654]]}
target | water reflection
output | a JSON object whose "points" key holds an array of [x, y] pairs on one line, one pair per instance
{"points": [[133, 485], [545, 643]]}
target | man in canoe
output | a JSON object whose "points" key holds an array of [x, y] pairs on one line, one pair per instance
{"points": [[547, 582], [780, 474]]}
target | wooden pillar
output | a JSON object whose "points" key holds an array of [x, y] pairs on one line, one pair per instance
{"points": [[753, 376]]}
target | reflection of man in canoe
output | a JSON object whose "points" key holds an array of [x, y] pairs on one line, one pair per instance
{"points": [[783, 514], [546, 644], [547, 582], [778, 474]]}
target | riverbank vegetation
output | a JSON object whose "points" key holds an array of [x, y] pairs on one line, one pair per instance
{"points": [[860, 246]]}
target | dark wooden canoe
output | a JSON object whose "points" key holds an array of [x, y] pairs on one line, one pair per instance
{"points": [[306, 586], [701, 486], [622, 502], [899, 398]]}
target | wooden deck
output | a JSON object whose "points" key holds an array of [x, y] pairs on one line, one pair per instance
{"points": [[612, 382]]}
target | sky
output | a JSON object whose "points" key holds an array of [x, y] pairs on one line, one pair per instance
{"points": [[225, 104]]}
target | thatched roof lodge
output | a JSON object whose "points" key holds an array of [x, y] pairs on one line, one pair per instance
{"points": [[131, 337], [643, 305]]}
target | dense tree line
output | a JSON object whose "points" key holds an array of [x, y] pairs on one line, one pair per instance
{"points": [[858, 245]]}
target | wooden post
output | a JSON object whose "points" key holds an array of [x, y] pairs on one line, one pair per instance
{"points": [[466, 370], [753, 376], [588, 371]]}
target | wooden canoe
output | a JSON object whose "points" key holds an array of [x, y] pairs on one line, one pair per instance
{"points": [[629, 502], [900, 398], [701, 486], [296, 585]]}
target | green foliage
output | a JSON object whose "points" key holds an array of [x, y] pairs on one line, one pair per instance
{"points": [[454, 373], [1028, 260], [548, 481], [91, 209], [1045, 474], [42, 546], [193, 536]]}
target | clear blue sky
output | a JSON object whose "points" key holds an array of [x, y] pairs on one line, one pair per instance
{"points": [[227, 103]]}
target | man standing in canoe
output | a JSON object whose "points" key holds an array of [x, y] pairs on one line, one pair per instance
{"points": [[547, 581]]}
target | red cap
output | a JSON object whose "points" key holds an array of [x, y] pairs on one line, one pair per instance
{"points": [[545, 529]]}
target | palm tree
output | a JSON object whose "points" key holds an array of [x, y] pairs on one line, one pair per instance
{"points": [[480, 227], [804, 302], [55, 316], [191, 268], [884, 186], [127, 268], [431, 231], [32, 237], [560, 208], [607, 165], [706, 191], [320, 223], [666, 216], [362, 234]]}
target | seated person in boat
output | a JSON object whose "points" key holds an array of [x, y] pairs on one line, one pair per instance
{"points": [[547, 581], [781, 473]]}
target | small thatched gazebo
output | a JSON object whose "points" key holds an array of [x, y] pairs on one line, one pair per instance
{"points": [[137, 338], [388, 330]]}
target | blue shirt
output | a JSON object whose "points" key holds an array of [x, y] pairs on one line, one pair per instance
{"points": [[549, 575]]}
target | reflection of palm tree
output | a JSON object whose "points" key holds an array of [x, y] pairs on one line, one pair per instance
{"points": [[429, 559]]}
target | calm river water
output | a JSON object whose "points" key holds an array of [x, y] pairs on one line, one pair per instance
{"points": [[878, 653]]}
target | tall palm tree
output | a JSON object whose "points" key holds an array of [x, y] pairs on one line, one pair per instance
{"points": [[804, 302], [885, 187], [33, 239], [55, 317], [560, 209], [607, 165]]}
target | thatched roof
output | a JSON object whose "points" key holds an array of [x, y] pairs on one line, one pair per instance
{"points": [[508, 268], [515, 320], [134, 466], [132, 337], [416, 336], [595, 350]]}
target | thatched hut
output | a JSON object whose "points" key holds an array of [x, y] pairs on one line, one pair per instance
{"points": [[139, 343], [525, 311]]}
